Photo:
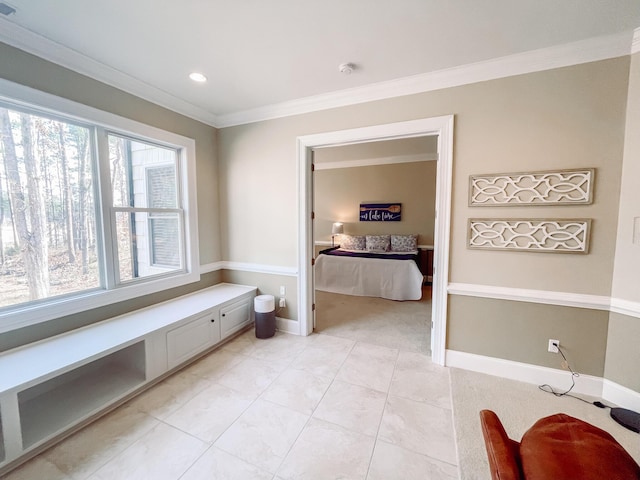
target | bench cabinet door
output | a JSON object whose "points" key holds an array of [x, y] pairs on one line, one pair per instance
{"points": [[192, 338], [235, 317]]}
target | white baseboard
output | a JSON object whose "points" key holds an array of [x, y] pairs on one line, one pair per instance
{"points": [[524, 372], [585, 384], [621, 396], [288, 326]]}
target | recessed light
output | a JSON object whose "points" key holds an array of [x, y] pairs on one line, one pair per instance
{"points": [[197, 77]]}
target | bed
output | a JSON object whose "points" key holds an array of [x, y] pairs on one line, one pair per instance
{"points": [[372, 272]]}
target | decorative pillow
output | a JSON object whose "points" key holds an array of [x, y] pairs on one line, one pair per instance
{"points": [[378, 243], [404, 243], [352, 242]]}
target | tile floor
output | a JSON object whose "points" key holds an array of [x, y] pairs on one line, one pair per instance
{"points": [[289, 407]]}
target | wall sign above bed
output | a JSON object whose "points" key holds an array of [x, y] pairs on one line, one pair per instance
{"points": [[380, 212]]}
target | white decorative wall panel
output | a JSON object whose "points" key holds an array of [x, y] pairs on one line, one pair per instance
{"points": [[565, 187], [532, 235]]}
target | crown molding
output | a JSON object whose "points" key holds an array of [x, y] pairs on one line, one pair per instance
{"points": [[584, 51], [42, 47], [635, 42], [590, 50]]}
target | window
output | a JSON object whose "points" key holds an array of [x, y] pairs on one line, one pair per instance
{"points": [[94, 208], [147, 208]]}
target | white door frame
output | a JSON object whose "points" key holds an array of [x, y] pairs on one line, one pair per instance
{"points": [[440, 126]]}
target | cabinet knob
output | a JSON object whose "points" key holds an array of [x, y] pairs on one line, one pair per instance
{"points": [[213, 320], [223, 314]]}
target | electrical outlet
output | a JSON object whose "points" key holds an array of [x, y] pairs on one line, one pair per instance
{"points": [[282, 303], [553, 345], [283, 291]]}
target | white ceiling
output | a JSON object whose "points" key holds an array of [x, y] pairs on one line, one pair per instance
{"points": [[261, 54]]}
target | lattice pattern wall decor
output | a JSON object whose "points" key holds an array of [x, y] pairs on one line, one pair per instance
{"points": [[563, 187], [532, 235]]}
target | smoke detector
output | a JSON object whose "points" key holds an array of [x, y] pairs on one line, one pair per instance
{"points": [[346, 68]]}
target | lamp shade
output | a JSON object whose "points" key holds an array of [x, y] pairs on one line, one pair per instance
{"points": [[337, 228]]}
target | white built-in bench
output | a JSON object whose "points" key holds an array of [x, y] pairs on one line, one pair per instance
{"points": [[50, 386]]}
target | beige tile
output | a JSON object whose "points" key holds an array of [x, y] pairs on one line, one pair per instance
{"points": [[333, 343], [417, 378], [253, 376], [244, 344], [353, 407], [325, 356], [419, 427], [390, 461], [298, 390], [86, 451], [166, 397], [263, 434], [37, 468], [369, 366], [217, 464], [214, 365], [282, 346], [164, 453], [326, 451], [211, 412]]}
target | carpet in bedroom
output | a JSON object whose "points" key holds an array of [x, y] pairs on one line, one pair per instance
{"points": [[388, 323], [518, 405]]}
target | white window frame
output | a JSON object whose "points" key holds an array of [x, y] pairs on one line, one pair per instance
{"points": [[48, 309]]}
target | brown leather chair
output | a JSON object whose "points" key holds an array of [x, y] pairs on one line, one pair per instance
{"points": [[556, 447]]}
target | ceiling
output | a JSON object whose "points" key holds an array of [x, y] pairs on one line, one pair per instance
{"points": [[260, 55]]}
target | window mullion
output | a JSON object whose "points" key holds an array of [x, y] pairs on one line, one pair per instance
{"points": [[107, 214]]}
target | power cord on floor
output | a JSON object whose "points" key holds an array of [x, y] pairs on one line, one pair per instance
{"points": [[549, 389]]}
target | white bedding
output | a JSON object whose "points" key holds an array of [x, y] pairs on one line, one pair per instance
{"points": [[369, 277]]}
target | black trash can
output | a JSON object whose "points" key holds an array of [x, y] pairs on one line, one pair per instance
{"points": [[264, 306]]}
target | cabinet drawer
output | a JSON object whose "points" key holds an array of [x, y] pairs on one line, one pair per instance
{"points": [[235, 316], [186, 341]]}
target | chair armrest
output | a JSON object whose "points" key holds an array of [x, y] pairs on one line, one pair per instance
{"points": [[504, 458]]}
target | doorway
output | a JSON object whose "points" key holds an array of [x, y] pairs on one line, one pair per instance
{"points": [[399, 170], [442, 127]]}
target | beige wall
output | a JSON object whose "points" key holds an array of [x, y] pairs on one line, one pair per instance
{"points": [[25, 69], [626, 281], [339, 192], [623, 352], [520, 332], [269, 285], [623, 347], [565, 118]]}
